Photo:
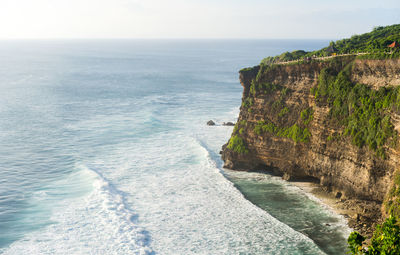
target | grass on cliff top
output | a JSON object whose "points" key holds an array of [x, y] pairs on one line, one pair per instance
{"points": [[381, 55], [374, 42]]}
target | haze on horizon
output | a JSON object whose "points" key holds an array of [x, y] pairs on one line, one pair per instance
{"points": [[281, 19]]}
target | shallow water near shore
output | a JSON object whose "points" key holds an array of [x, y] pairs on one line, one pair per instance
{"points": [[104, 150], [296, 208]]}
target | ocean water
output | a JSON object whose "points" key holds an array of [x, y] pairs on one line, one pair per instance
{"points": [[104, 150]]}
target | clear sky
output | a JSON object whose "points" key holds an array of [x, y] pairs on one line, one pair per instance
{"points": [[193, 18]]}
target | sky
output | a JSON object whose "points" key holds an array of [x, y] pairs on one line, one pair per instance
{"points": [[245, 19]]}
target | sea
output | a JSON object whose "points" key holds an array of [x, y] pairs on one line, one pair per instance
{"points": [[104, 149]]}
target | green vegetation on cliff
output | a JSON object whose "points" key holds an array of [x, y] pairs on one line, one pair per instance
{"points": [[361, 110], [286, 56], [375, 42], [247, 103], [298, 131], [236, 144], [307, 116], [392, 200], [358, 113], [386, 238], [294, 132], [265, 87], [385, 241]]}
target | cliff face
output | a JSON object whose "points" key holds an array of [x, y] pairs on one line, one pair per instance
{"points": [[318, 152]]}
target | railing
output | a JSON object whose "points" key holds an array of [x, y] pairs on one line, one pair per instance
{"points": [[320, 58]]}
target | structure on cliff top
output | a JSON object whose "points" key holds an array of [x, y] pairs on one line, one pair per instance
{"points": [[331, 49], [394, 45]]}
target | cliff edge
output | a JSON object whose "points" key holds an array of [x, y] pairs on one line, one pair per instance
{"points": [[335, 122]]}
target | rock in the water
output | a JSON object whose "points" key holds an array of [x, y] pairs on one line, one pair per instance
{"points": [[228, 124], [211, 123]]}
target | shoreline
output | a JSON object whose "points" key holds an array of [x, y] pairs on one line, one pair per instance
{"points": [[360, 215]]}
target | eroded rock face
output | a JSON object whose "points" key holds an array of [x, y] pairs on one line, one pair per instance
{"points": [[338, 164], [377, 73]]}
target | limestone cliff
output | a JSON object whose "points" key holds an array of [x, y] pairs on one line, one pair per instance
{"points": [[284, 128]]}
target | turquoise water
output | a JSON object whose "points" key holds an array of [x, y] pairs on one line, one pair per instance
{"points": [[294, 207], [104, 150]]}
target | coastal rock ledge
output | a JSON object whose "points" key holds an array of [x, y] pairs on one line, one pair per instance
{"points": [[279, 102]]}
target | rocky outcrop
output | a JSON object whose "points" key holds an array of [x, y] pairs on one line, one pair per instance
{"points": [[352, 171], [210, 123], [377, 73]]}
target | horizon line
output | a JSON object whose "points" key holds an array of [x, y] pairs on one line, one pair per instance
{"points": [[154, 38]]}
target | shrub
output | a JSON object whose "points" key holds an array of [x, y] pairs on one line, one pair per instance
{"points": [[253, 88], [283, 112], [362, 111], [385, 240], [248, 102], [392, 200], [375, 43], [294, 132], [307, 115], [268, 88], [355, 243], [236, 144]]}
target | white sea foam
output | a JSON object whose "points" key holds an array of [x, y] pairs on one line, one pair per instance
{"points": [[333, 222], [149, 179], [189, 207], [98, 223], [172, 198]]}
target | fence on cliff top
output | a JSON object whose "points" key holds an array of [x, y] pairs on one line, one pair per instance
{"points": [[320, 58]]}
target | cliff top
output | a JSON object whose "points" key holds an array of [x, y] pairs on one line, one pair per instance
{"points": [[375, 44]]}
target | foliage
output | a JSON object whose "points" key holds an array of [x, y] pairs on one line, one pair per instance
{"points": [[385, 241], [286, 56], [253, 87], [392, 200], [285, 91], [236, 144], [248, 102], [307, 115], [268, 88], [235, 128], [386, 238], [264, 69], [239, 124], [375, 42], [294, 132], [243, 122], [283, 112], [381, 55], [355, 243], [361, 110], [333, 137], [246, 69]]}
